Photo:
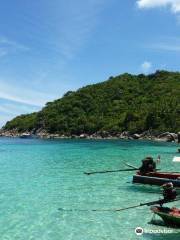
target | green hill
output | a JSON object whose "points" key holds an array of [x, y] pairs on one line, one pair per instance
{"points": [[133, 103]]}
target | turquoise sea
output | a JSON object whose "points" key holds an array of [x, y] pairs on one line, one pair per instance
{"points": [[40, 177]]}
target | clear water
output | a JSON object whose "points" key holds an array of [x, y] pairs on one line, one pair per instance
{"points": [[37, 177]]}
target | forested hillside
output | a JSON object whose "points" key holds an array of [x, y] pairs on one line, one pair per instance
{"points": [[133, 103]]}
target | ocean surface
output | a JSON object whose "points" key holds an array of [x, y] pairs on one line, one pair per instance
{"points": [[44, 194]]}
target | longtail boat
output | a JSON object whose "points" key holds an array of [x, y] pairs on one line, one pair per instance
{"points": [[157, 178], [170, 216]]}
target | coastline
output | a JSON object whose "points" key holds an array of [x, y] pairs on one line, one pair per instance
{"points": [[162, 137]]}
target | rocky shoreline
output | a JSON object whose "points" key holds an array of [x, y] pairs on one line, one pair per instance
{"points": [[147, 135]]}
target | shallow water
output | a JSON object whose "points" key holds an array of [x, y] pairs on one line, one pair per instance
{"points": [[40, 177]]}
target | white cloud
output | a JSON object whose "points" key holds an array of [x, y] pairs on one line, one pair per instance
{"points": [[166, 47], [171, 44], [14, 108], [10, 109], [173, 4], [66, 29], [7, 42], [8, 46], [146, 66], [3, 52], [4, 119], [80, 20], [23, 95]]}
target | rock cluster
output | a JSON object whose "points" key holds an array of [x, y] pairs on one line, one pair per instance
{"points": [[41, 133]]}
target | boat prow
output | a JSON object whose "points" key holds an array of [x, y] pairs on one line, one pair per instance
{"points": [[170, 216]]}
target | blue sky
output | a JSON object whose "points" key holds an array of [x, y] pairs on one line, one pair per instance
{"points": [[50, 47]]}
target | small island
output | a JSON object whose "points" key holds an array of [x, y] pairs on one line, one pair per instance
{"points": [[125, 107]]}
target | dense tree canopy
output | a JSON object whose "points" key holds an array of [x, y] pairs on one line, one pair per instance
{"points": [[133, 103]]}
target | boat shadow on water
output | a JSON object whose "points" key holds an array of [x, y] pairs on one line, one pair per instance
{"points": [[163, 231], [145, 188], [142, 188], [160, 223]]}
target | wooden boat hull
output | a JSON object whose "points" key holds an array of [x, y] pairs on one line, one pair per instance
{"points": [[155, 180], [170, 175], [171, 217]]}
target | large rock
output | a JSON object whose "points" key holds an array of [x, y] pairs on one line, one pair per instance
{"points": [[125, 135], [136, 136], [168, 137], [178, 137], [83, 135]]}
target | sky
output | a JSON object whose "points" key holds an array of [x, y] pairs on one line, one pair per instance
{"points": [[50, 47]]}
